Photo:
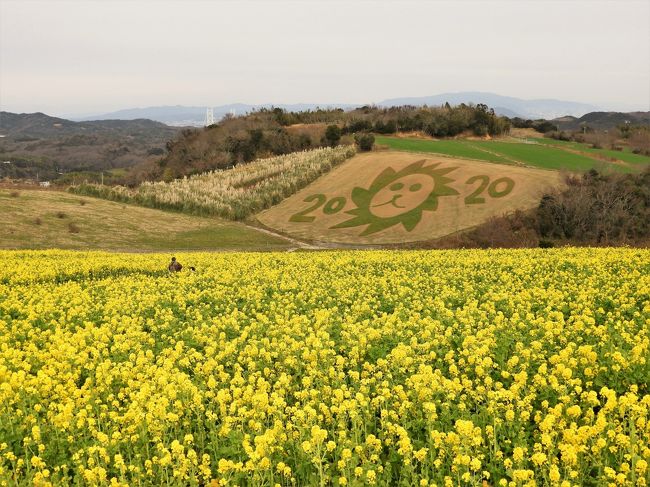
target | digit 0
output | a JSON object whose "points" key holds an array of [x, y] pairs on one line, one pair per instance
{"points": [[494, 192], [334, 205]]}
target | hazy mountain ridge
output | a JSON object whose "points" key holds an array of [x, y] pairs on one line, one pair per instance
{"points": [[603, 120], [503, 105], [179, 115], [42, 125]]}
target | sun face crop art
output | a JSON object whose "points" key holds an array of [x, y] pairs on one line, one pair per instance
{"points": [[411, 368], [399, 197]]}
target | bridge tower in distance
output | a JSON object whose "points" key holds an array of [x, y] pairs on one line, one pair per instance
{"points": [[209, 117]]}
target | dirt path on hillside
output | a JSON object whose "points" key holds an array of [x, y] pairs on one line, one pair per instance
{"points": [[571, 150], [498, 154], [299, 244]]}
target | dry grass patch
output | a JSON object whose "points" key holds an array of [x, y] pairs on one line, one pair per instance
{"points": [[30, 223]]}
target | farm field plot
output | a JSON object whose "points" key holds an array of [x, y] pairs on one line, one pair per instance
{"points": [[388, 197], [346, 368], [543, 153]]}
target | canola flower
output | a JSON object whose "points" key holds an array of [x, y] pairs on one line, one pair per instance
{"points": [[506, 368]]}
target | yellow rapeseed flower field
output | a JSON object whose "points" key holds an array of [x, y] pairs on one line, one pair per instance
{"points": [[337, 368]]}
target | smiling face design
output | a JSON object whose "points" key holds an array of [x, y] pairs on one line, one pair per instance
{"points": [[398, 197], [401, 196]]}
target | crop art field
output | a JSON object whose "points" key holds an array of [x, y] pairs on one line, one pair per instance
{"points": [[393, 197], [351, 368]]}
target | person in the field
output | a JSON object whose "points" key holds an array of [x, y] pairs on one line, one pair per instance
{"points": [[174, 265]]}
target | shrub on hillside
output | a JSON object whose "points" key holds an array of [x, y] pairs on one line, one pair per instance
{"points": [[354, 126], [597, 208], [365, 142], [480, 130], [389, 127], [559, 135], [332, 135]]}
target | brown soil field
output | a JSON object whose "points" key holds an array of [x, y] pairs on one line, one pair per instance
{"points": [[393, 197], [524, 133]]}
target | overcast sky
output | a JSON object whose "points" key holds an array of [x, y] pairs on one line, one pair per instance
{"points": [[88, 57]]}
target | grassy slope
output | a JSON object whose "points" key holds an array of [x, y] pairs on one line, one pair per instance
{"points": [[544, 154], [454, 148], [115, 226], [540, 156], [624, 155]]}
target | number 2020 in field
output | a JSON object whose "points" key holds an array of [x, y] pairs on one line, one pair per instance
{"points": [[497, 188]]}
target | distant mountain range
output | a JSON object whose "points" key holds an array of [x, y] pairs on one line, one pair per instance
{"points": [[504, 105], [179, 115], [40, 125], [603, 120]]}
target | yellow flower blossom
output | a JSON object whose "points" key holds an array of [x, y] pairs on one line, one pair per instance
{"points": [[511, 367]]}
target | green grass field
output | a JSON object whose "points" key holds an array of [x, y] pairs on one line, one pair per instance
{"points": [[625, 155], [51, 219], [542, 153], [456, 148], [545, 157]]}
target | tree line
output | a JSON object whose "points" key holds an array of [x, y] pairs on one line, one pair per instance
{"points": [[273, 131], [442, 121]]}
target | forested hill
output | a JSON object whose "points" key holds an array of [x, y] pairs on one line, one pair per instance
{"points": [[16, 125], [35, 145], [269, 132], [603, 120]]}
